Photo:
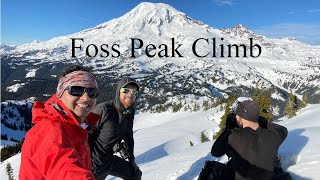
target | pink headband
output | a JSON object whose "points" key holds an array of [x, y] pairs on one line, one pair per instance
{"points": [[76, 78]]}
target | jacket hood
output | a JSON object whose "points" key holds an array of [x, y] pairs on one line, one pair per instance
{"points": [[54, 109], [123, 82], [127, 80]]}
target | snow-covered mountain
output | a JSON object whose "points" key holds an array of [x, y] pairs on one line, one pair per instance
{"points": [[284, 64], [15, 121], [168, 145], [31, 71]]}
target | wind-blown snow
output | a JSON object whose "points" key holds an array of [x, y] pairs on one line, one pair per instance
{"points": [[31, 73], [163, 150], [5, 143], [15, 87], [277, 96]]}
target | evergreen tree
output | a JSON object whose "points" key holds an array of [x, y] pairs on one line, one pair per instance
{"points": [[221, 107], [196, 107], [2, 107], [205, 105], [159, 108], [263, 99], [4, 118], [291, 105], [186, 107], [4, 137], [9, 171], [220, 101], [296, 103], [14, 126], [21, 127], [256, 94], [304, 101], [176, 106], [10, 114], [231, 99], [9, 151], [204, 138]]}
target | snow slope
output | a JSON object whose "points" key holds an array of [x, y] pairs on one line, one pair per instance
{"points": [[163, 150], [299, 151]]}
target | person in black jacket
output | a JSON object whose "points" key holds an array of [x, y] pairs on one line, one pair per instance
{"points": [[252, 149], [113, 134]]}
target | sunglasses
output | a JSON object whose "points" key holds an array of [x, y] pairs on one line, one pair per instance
{"points": [[79, 91], [127, 90]]}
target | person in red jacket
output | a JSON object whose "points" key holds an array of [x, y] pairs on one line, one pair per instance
{"points": [[56, 147]]}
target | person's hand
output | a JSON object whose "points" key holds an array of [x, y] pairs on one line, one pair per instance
{"points": [[263, 122], [135, 167], [231, 121]]}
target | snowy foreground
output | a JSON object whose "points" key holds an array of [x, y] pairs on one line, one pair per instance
{"points": [[163, 144]]}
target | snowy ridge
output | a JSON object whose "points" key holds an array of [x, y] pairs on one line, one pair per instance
{"points": [[163, 149], [284, 65], [240, 31], [15, 121]]}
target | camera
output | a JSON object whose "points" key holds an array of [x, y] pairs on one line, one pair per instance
{"points": [[231, 121], [123, 149], [263, 122]]}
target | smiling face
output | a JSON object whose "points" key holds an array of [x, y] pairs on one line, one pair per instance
{"points": [[127, 99], [80, 106]]}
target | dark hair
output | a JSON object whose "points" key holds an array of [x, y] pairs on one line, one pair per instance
{"points": [[72, 68]]}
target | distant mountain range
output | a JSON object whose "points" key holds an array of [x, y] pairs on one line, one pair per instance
{"points": [[285, 65]]}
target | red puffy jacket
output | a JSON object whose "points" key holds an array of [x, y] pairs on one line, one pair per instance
{"points": [[56, 147]]}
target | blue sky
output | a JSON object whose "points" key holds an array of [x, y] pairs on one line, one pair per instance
{"points": [[25, 21]]}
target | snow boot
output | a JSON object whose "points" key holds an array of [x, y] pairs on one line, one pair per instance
{"points": [[279, 173]]}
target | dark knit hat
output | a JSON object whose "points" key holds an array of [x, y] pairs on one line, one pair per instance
{"points": [[248, 110], [127, 80]]}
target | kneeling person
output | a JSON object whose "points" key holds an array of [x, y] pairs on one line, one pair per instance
{"points": [[113, 133], [252, 149]]}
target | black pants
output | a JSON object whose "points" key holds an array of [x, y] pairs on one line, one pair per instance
{"points": [[214, 170], [119, 168]]}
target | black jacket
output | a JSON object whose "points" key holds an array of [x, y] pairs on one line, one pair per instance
{"points": [[115, 124], [253, 152]]}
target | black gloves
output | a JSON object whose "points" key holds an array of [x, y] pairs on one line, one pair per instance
{"points": [[263, 122], [135, 168], [231, 121]]}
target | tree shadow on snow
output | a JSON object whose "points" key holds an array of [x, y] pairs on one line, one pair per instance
{"points": [[195, 168], [291, 148], [152, 154]]}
